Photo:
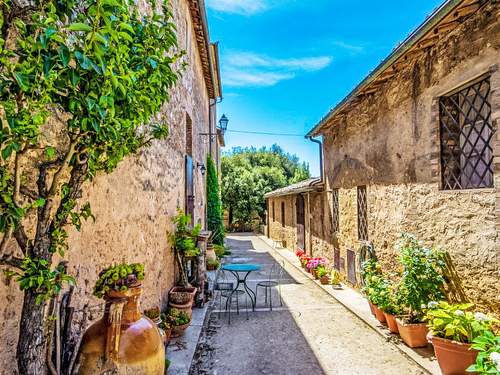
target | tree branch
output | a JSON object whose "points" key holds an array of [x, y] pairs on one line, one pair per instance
{"points": [[17, 176], [5, 239], [21, 238], [9, 260], [28, 193]]}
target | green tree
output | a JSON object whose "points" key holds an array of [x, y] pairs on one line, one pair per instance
{"points": [[79, 84], [214, 210], [249, 173]]}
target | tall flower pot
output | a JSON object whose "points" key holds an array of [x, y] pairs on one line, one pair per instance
{"points": [[187, 308], [379, 314], [123, 341], [391, 323], [453, 357], [414, 335], [210, 253]]}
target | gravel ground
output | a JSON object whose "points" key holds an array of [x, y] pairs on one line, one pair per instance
{"points": [[311, 334]]}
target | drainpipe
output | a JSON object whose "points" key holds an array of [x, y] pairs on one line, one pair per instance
{"points": [[320, 154]]}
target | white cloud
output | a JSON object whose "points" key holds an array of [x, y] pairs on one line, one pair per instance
{"points": [[251, 69], [244, 7], [349, 47]]}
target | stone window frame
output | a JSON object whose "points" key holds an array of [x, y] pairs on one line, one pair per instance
{"points": [[465, 120], [435, 154], [335, 211], [362, 212]]}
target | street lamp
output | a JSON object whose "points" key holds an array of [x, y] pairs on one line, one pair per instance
{"points": [[223, 123]]}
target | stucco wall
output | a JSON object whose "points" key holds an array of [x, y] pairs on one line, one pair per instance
{"points": [[390, 142], [133, 206]]}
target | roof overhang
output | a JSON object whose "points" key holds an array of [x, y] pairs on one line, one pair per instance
{"points": [[200, 25], [444, 19], [310, 185]]}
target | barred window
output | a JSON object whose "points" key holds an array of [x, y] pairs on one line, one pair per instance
{"points": [[362, 214], [466, 134], [335, 210]]}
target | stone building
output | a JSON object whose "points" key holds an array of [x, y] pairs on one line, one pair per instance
{"points": [[413, 148], [133, 206]]}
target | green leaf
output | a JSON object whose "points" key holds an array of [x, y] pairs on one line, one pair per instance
{"points": [[40, 202], [78, 26], [64, 55], [50, 152], [127, 27], [22, 80]]}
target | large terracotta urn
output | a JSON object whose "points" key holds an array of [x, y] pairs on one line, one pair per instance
{"points": [[123, 342]]}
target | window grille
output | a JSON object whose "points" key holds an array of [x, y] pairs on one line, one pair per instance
{"points": [[335, 210], [351, 266], [466, 134], [362, 214]]}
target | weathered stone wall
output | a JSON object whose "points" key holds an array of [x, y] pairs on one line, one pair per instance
{"points": [[133, 206], [288, 231], [390, 143]]}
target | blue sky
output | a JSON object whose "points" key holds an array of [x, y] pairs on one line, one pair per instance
{"points": [[286, 63]]}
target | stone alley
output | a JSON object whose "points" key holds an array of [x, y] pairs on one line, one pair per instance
{"points": [[312, 333]]}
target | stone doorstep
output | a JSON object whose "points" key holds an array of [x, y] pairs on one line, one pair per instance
{"points": [[356, 303], [180, 350]]}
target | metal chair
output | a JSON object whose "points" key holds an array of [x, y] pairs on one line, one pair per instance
{"points": [[275, 277], [226, 290]]}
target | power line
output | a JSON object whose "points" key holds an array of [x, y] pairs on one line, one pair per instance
{"points": [[265, 133]]}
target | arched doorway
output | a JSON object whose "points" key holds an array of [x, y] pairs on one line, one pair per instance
{"points": [[300, 212]]}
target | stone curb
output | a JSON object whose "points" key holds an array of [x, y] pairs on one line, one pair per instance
{"points": [[429, 366]]}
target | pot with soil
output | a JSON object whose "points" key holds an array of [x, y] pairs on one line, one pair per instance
{"points": [[179, 322], [391, 322], [413, 334], [187, 308], [453, 357], [182, 295]]}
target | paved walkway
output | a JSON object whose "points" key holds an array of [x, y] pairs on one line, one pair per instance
{"points": [[311, 334]]}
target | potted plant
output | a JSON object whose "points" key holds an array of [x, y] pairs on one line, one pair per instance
{"points": [[335, 279], [488, 358], [370, 271], [323, 274], [179, 321], [166, 327], [153, 314], [421, 283], [184, 240], [453, 329], [378, 293], [388, 303], [213, 265]]}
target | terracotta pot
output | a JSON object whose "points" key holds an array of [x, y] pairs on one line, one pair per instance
{"points": [[453, 357], [123, 341], [379, 314], [325, 280], [391, 323], [414, 335], [179, 330], [371, 307], [181, 295], [187, 308]]}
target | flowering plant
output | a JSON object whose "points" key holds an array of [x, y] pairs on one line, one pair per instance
{"points": [[304, 259], [457, 322], [321, 271], [488, 359], [313, 263], [299, 252]]}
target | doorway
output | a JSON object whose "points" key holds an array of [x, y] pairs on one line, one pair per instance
{"points": [[300, 210]]}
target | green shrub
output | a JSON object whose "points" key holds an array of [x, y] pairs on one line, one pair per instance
{"points": [[214, 210]]}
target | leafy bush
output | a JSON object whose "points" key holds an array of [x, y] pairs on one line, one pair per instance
{"points": [[221, 251], [321, 271], [118, 278], [213, 264], [488, 359], [422, 280], [177, 317], [184, 238], [457, 322]]}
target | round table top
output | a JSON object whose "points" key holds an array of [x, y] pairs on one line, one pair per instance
{"points": [[241, 267]]}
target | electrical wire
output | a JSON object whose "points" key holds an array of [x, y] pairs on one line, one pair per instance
{"points": [[264, 133]]}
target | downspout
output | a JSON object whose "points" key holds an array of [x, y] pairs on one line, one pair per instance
{"points": [[320, 155]]}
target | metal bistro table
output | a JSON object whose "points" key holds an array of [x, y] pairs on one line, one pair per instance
{"points": [[242, 268]]}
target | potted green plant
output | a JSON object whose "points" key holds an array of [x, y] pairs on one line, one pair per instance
{"points": [[118, 278], [488, 358], [421, 283], [370, 273], [323, 274], [390, 306], [453, 329], [378, 293], [179, 321], [336, 279], [153, 314], [166, 327], [212, 264]]}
